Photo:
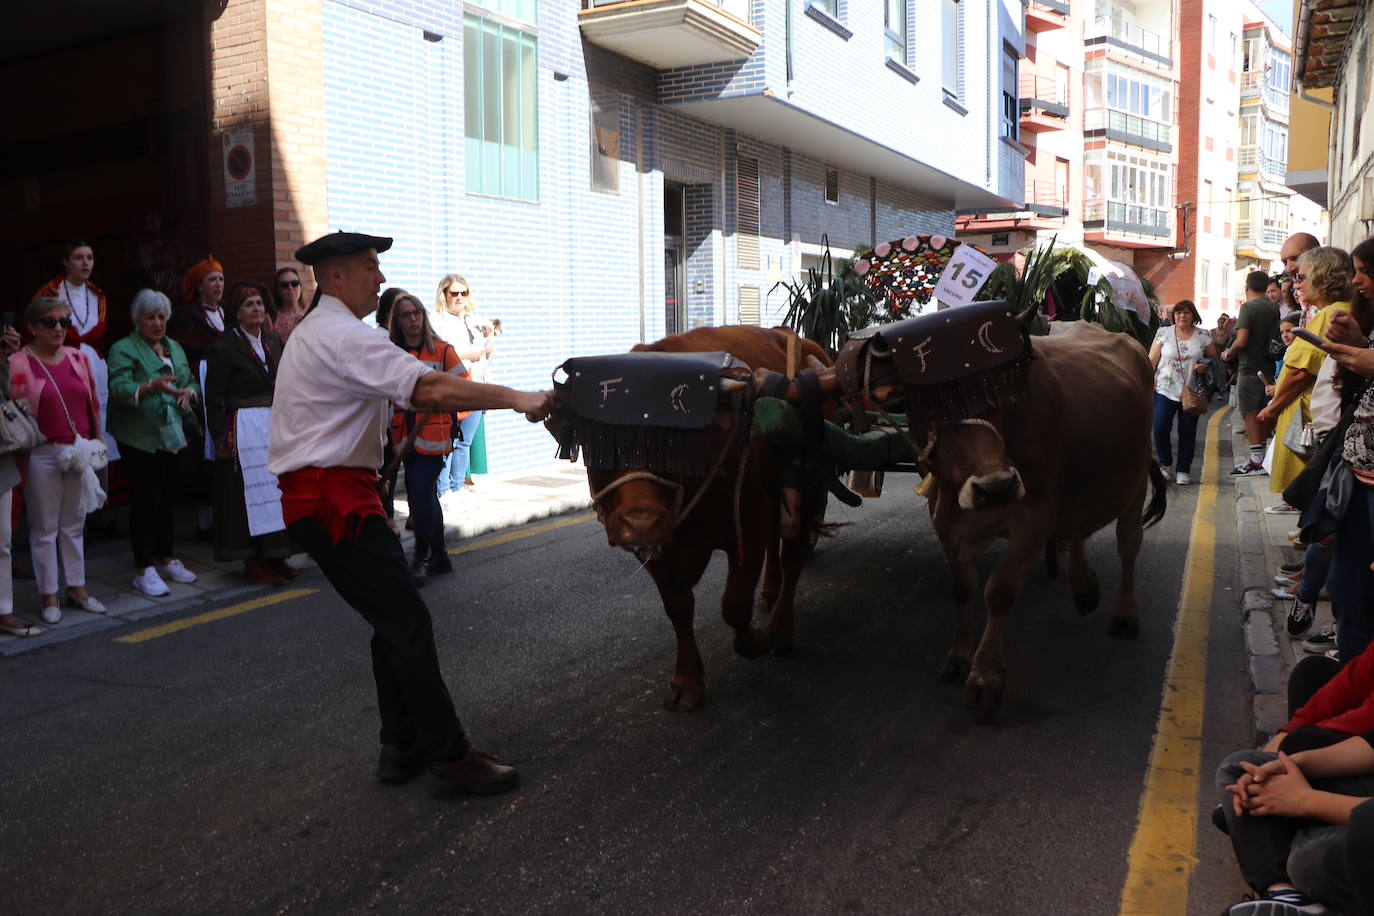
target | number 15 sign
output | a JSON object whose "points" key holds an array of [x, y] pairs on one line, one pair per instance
{"points": [[963, 276]]}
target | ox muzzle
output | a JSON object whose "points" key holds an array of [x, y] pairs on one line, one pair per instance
{"points": [[992, 491]]}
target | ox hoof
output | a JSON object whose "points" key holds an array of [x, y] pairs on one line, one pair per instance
{"points": [[983, 695], [751, 643], [1124, 627], [955, 668], [779, 644], [684, 697], [1086, 595]]}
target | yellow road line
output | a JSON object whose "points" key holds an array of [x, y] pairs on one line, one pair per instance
{"points": [[517, 535], [209, 616], [278, 597], [1161, 858]]}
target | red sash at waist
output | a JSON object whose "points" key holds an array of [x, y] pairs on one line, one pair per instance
{"points": [[340, 498]]}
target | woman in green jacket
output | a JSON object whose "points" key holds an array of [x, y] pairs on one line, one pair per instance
{"points": [[151, 395]]}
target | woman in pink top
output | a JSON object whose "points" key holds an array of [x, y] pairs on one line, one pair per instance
{"points": [[56, 380]]}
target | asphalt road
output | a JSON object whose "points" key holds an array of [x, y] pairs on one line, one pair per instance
{"points": [[225, 768]]}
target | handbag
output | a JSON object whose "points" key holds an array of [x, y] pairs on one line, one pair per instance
{"points": [[1193, 402], [1299, 437], [1305, 486], [19, 430]]}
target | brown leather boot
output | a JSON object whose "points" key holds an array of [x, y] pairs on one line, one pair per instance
{"points": [[256, 570], [477, 773]]}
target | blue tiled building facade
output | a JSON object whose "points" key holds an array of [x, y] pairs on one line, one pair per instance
{"points": [[594, 198]]}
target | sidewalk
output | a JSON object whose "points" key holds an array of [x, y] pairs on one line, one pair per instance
{"points": [[496, 501], [1263, 542]]}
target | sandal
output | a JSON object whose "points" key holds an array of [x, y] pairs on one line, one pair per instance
{"points": [[25, 630]]}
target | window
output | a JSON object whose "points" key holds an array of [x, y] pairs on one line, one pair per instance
{"points": [[832, 186], [1061, 84], [1235, 52], [605, 139], [1205, 206], [1276, 141], [1249, 129], [1139, 94], [524, 10], [1211, 35], [1137, 180], [1280, 71], [1205, 277], [952, 66], [1061, 182], [500, 115], [1011, 114], [894, 28], [830, 7]]}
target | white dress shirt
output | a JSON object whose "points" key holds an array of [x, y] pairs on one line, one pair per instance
{"points": [[335, 385]]}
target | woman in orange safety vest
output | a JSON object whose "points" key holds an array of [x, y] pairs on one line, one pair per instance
{"points": [[410, 330]]}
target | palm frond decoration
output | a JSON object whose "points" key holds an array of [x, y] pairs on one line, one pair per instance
{"points": [[829, 303]]}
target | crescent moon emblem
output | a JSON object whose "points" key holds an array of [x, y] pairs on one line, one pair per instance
{"points": [[984, 338], [675, 398]]}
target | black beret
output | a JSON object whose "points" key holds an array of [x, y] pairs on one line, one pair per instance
{"points": [[340, 243]]}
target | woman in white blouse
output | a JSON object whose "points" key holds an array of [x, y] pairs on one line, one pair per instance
{"points": [[1176, 351]]}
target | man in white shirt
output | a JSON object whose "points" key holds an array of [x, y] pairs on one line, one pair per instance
{"points": [[330, 411]]}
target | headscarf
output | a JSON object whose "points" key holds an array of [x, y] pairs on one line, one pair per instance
{"points": [[190, 287], [241, 291]]}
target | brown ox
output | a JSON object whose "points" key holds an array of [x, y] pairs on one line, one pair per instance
{"points": [[639, 517], [1061, 465]]}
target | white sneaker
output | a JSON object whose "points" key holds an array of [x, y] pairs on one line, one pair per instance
{"points": [[52, 614], [1182, 479], [150, 583], [174, 570]]}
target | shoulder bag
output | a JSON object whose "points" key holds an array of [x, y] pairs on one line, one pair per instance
{"points": [[19, 430], [1193, 402]]}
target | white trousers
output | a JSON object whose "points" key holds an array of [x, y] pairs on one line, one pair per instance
{"points": [[56, 522], [6, 560]]}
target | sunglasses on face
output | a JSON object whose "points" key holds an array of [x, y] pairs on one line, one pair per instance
{"points": [[285, 283], [457, 292], [51, 323]]}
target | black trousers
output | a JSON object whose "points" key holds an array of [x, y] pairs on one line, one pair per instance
{"points": [[370, 573], [154, 479], [1352, 880]]}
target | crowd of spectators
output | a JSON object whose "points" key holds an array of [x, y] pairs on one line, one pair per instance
{"points": [[177, 413]]}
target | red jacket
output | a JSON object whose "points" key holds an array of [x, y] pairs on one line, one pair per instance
{"points": [[1346, 703]]}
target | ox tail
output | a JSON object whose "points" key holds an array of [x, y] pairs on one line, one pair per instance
{"points": [[1159, 501]]}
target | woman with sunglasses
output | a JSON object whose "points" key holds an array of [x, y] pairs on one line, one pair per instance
{"points": [[456, 320], [58, 383], [152, 393], [289, 296]]}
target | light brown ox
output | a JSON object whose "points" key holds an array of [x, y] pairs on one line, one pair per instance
{"points": [[1061, 465], [638, 517]]}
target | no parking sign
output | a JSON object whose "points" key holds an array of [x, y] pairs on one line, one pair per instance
{"points": [[240, 168]]}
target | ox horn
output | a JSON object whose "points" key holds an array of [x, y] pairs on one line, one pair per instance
{"points": [[731, 385]]}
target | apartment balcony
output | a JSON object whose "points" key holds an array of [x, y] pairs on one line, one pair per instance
{"points": [[1261, 241], [671, 33], [1044, 106], [1119, 32], [1114, 222], [1255, 160], [1044, 15], [1045, 207], [1253, 85], [1128, 128]]}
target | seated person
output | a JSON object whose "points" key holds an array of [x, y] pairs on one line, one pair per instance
{"points": [[1302, 827], [1327, 703]]}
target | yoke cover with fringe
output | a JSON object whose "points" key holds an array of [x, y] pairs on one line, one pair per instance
{"points": [[643, 411], [956, 363]]}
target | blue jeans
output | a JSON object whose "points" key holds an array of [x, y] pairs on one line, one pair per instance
{"points": [[1316, 567], [1165, 412], [1351, 583], [422, 471], [456, 464]]}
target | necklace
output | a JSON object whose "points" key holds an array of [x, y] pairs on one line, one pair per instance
{"points": [[85, 312]]}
